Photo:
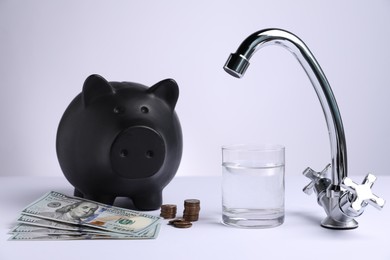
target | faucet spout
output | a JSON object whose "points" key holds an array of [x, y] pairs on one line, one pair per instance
{"points": [[238, 63]]}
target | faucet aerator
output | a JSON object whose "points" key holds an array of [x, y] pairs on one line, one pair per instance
{"points": [[236, 65]]}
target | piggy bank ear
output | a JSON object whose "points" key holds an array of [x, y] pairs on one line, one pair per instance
{"points": [[95, 86], [167, 90]]}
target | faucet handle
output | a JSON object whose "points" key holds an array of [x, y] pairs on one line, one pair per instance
{"points": [[314, 177], [362, 193]]}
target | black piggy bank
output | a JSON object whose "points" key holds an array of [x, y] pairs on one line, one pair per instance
{"points": [[121, 139]]}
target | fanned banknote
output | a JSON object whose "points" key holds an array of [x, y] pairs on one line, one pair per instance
{"points": [[29, 232], [152, 233], [63, 208], [25, 228], [40, 222], [56, 216]]}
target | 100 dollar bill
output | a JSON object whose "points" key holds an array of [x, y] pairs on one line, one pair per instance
{"points": [[152, 233], [40, 222], [29, 232], [59, 207]]}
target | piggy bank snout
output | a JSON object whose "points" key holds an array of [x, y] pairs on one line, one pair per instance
{"points": [[137, 152]]}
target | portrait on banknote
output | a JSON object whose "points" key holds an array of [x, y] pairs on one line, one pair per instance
{"points": [[73, 212]]}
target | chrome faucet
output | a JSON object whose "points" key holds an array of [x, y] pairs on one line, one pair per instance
{"points": [[342, 199]]}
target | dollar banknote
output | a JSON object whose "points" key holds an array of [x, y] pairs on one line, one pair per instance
{"points": [[34, 225], [31, 232], [81, 212], [20, 236], [29, 221], [26, 228]]}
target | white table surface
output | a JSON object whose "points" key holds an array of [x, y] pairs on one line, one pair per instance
{"points": [[300, 236]]}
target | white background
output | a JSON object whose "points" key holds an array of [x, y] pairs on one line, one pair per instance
{"points": [[48, 48]]}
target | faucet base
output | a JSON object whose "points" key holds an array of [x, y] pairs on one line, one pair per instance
{"points": [[328, 222]]}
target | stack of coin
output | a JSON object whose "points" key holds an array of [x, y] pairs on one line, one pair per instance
{"points": [[191, 210], [180, 223], [168, 211]]}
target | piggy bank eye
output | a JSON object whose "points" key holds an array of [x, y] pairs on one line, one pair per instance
{"points": [[118, 110]]}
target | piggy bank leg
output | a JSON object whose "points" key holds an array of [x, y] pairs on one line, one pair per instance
{"points": [[105, 199], [78, 193], [148, 201]]}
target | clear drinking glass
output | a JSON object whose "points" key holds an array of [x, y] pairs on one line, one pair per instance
{"points": [[253, 185]]}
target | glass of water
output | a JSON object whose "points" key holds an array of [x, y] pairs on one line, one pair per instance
{"points": [[253, 185]]}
